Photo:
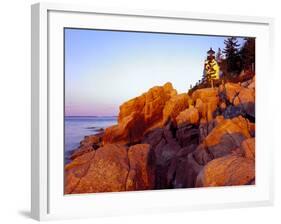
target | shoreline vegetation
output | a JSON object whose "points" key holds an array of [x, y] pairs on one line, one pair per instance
{"points": [[165, 140]]}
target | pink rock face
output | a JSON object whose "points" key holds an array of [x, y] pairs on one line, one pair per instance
{"points": [[88, 144], [233, 126], [206, 102], [139, 114], [188, 116], [142, 169], [130, 130], [106, 170], [248, 148], [205, 94], [111, 168], [174, 106], [237, 94], [224, 139], [252, 84], [245, 95], [227, 171], [75, 170], [232, 90]]}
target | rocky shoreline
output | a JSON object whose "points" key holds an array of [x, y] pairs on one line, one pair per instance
{"points": [[165, 140]]}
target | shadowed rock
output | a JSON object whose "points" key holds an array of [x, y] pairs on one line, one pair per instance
{"points": [[173, 169], [240, 100], [187, 135]]}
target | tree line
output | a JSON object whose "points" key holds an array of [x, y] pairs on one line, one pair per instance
{"points": [[237, 58]]}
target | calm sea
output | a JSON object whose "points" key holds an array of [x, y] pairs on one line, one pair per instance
{"points": [[78, 127]]}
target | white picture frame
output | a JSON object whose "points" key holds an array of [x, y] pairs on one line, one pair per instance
{"points": [[48, 201]]}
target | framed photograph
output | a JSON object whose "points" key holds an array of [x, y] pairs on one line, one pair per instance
{"points": [[138, 111]]}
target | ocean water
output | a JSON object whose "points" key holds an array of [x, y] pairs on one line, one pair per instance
{"points": [[78, 127]]}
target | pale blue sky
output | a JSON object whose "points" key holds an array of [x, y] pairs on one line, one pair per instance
{"points": [[103, 69]]}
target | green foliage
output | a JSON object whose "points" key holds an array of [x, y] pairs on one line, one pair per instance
{"points": [[232, 56], [248, 54]]}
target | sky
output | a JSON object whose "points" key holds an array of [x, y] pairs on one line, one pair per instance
{"points": [[103, 69]]}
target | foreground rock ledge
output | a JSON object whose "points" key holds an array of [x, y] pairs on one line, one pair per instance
{"points": [[111, 168]]}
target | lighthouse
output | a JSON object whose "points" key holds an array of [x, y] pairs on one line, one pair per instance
{"points": [[211, 67]]}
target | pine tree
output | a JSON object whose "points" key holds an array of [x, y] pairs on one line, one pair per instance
{"points": [[232, 55], [248, 53]]}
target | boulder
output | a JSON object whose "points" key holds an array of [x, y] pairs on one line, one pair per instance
{"points": [[151, 103], [249, 83], [207, 101], [205, 94], [237, 125], [252, 84], [248, 148], [166, 148], [131, 106], [206, 127], [183, 171], [227, 171], [187, 135], [77, 169], [156, 101], [166, 151], [222, 106], [139, 115], [233, 111], [174, 106], [224, 139], [231, 90], [172, 147], [188, 116], [246, 98], [90, 140], [142, 168], [111, 168], [80, 151], [211, 108], [88, 144], [105, 170], [153, 137], [130, 130], [241, 99]]}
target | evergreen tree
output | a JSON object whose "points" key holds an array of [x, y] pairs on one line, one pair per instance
{"points": [[232, 56], [248, 53]]}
